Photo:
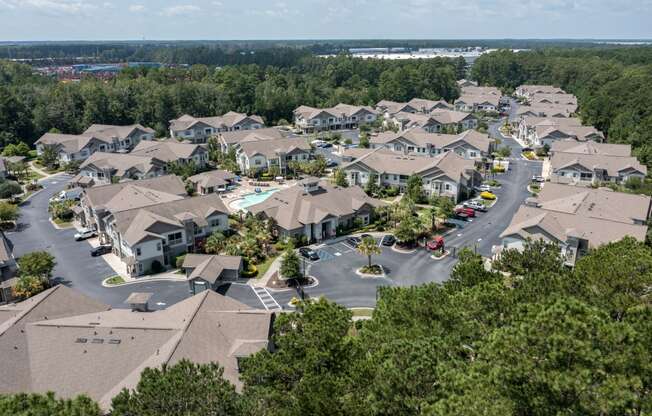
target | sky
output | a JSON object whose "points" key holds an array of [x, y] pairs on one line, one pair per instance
{"points": [[31, 20]]}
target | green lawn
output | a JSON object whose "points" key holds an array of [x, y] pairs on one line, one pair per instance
{"points": [[115, 280], [264, 266], [362, 311], [62, 223]]}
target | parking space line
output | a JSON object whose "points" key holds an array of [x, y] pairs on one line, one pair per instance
{"points": [[261, 293]]}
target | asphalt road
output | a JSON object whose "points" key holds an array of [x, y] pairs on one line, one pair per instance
{"points": [[336, 274], [75, 267]]}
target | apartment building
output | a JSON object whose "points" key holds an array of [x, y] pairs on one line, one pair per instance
{"points": [[341, 116], [212, 181], [315, 209], [97, 138], [415, 105], [209, 271], [99, 202], [470, 144], [171, 151], [154, 236], [578, 220], [528, 91], [540, 131], [232, 139], [65, 342], [447, 174], [593, 169], [265, 154], [435, 122], [103, 168], [199, 129], [8, 269]]}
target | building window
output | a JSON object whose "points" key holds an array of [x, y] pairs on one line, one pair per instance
{"points": [[174, 238], [138, 252], [158, 246], [215, 222]]}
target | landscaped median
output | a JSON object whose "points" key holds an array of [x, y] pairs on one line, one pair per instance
{"points": [[118, 280]]}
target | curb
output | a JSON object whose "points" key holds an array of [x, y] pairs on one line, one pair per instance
{"points": [[156, 279], [372, 276], [398, 250]]}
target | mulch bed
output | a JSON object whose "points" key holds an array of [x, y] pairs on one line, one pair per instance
{"points": [[276, 283]]}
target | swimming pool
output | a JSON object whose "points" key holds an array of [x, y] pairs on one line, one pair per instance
{"points": [[248, 200]]}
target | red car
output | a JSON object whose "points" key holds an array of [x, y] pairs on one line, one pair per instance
{"points": [[435, 244], [469, 212]]}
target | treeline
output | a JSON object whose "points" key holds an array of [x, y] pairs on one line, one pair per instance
{"points": [[230, 52], [613, 86], [31, 105], [538, 339]]}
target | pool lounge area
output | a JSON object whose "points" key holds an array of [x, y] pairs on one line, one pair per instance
{"points": [[253, 198]]}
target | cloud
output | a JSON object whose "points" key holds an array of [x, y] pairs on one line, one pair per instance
{"points": [[181, 9], [52, 7], [137, 8]]}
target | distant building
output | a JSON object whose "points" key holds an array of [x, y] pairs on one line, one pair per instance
{"points": [[171, 151], [265, 154], [342, 116], [199, 129], [97, 138], [470, 144]]}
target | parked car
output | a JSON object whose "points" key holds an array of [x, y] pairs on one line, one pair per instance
{"points": [[538, 179], [363, 236], [388, 240], [318, 143], [326, 145], [309, 253], [488, 195], [461, 215], [466, 210], [73, 194], [435, 244], [482, 188], [354, 241], [330, 163], [101, 250], [475, 205], [84, 233]]}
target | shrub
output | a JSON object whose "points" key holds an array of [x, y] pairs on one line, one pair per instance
{"points": [[498, 169], [250, 271], [9, 189], [179, 261]]}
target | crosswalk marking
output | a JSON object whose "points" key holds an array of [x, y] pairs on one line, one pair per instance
{"points": [[267, 299]]}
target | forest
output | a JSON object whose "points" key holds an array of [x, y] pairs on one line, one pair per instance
{"points": [[534, 339], [613, 86], [31, 105]]}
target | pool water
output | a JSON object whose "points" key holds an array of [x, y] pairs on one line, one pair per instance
{"points": [[253, 199]]}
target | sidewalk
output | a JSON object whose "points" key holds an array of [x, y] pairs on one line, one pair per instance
{"points": [[42, 172]]}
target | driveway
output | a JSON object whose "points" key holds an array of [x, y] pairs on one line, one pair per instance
{"points": [[338, 262], [76, 268]]}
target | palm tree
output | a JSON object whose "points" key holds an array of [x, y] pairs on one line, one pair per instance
{"points": [[215, 243], [49, 155], [368, 248]]}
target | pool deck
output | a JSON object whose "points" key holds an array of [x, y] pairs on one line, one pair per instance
{"points": [[245, 188]]}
